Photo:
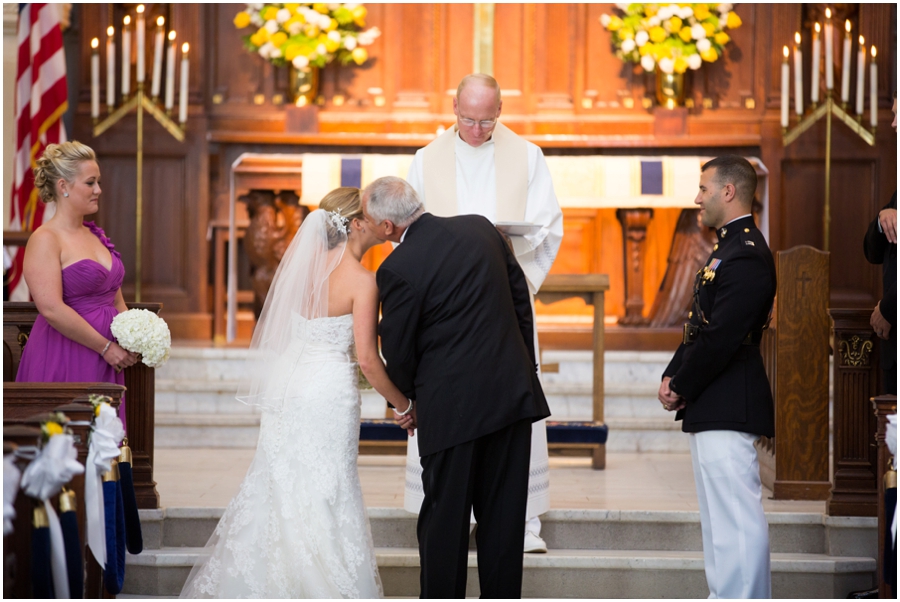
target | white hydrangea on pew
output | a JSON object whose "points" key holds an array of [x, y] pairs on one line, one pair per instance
{"points": [[142, 331]]}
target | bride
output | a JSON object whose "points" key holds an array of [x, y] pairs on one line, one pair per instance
{"points": [[298, 527]]}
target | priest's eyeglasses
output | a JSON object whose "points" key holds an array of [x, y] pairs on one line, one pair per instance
{"points": [[485, 124]]}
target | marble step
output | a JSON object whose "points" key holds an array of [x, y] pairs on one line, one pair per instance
{"points": [[789, 532], [561, 573]]}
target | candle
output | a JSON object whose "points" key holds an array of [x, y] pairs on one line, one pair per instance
{"points": [[126, 57], [170, 72], [157, 56], [785, 82], [110, 67], [95, 78], [817, 50], [845, 66], [829, 51], [860, 75], [873, 90], [798, 75], [139, 31], [183, 97]]}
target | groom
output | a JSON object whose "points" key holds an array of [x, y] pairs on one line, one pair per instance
{"points": [[457, 334]]}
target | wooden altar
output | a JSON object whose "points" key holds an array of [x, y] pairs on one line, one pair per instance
{"points": [[563, 89]]}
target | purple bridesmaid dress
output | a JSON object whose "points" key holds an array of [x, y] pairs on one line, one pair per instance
{"points": [[90, 289]]}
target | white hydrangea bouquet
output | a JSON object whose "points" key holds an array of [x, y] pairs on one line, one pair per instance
{"points": [[307, 34], [673, 37], [142, 331]]}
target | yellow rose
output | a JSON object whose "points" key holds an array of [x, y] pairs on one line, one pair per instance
{"points": [[311, 31], [258, 39], [263, 34], [332, 25], [701, 11], [646, 49], [675, 24], [626, 34], [733, 21], [295, 19], [292, 51], [269, 13], [292, 7], [681, 64], [97, 409], [615, 24], [651, 9], [53, 429], [278, 38], [657, 34], [710, 55], [331, 45], [722, 38], [359, 55], [685, 34], [320, 8], [241, 20], [709, 28], [359, 12]]}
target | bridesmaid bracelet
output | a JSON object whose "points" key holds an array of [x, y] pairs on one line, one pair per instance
{"points": [[105, 349]]}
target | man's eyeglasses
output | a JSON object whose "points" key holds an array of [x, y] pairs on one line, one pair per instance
{"points": [[485, 124]]}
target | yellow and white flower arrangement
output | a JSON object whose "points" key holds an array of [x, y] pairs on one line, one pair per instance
{"points": [[672, 37], [309, 34], [142, 331]]}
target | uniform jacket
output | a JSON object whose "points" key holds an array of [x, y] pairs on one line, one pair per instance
{"points": [[879, 250], [457, 331], [722, 379]]}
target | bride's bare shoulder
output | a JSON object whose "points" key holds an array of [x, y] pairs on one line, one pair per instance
{"points": [[353, 273]]}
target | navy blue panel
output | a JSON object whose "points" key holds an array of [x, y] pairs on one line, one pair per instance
{"points": [[651, 177], [576, 432], [351, 173]]}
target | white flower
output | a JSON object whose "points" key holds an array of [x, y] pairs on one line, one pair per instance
{"points": [[255, 6], [272, 26], [604, 20], [366, 38], [641, 38], [300, 62], [323, 21], [266, 49], [648, 63], [666, 65], [694, 60], [295, 28], [725, 8], [627, 45], [334, 36], [283, 15], [276, 53], [321, 50], [623, 6], [703, 45], [697, 32], [685, 11], [654, 20], [142, 331], [256, 20], [664, 13], [333, 6], [350, 43], [723, 21]]}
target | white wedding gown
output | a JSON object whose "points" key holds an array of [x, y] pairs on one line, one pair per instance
{"points": [[298, 527]]}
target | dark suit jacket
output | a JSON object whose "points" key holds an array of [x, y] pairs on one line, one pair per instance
{"points": [[457, 332], [723, 380], [879, 250]]}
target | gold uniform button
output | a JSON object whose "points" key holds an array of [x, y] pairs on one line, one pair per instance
{"points": [[716, 247], [746, 229], [690, 314]]}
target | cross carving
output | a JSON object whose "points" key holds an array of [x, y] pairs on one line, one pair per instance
{"points": [[803, 279]]}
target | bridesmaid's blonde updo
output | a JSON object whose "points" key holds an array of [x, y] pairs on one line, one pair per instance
{"points": [[59, 162], [348, 202]]}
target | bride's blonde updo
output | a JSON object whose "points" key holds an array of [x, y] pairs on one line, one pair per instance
{"points": [[348, 202], [59, 161]]}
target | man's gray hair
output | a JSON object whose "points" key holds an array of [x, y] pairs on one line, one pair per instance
{"points": [[393, 199]]}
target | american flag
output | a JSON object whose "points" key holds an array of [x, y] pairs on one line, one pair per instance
{"points": [[40, 101]]}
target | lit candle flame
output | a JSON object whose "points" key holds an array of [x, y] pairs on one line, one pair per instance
{"points": [[847, 25], [797, 37], [874, 52], [827, 13], [172, 36], [160, 21], [110, 31], [862, 41], [818, 27], [185, 47], [140, 9], [95, 43], [786, 52], [127, 20]]}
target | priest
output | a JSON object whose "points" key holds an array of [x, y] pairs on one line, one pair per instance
{"points": [[481, 167]]}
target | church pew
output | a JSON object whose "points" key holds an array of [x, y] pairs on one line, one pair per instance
{"points": [[140, 405], [23, 400], [17, 545]]}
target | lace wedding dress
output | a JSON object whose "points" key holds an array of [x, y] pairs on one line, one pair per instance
{"points": [[298, 527]]}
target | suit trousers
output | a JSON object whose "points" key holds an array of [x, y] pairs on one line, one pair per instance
{"points": [[732, 521], [489, 476]]}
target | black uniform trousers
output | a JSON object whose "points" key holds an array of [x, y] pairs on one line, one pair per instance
{"points": [[489, 476]]}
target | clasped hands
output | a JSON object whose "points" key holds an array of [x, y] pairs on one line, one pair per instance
{"points": [[669, 398], [880, 324], [407, 422]]}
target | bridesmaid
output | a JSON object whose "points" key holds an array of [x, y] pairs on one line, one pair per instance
{"points": [[75, 276]]}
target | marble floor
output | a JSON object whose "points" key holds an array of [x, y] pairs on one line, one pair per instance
{"points": [[209, 477]]}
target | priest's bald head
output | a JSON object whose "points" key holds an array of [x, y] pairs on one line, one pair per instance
{"points": [[477, 106]]}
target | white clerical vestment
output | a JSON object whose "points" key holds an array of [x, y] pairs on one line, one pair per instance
{"points": [[492, 181]]}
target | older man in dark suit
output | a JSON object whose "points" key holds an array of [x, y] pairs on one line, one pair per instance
{"points": [[717, 383], [457, 334]]}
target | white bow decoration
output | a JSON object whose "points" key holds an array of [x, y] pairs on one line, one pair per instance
{"points": [[54, 466], [106, 435], [11, 474], [890, 438]]}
